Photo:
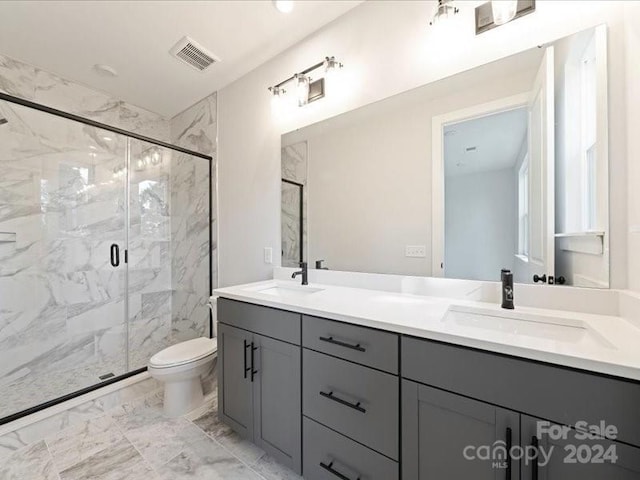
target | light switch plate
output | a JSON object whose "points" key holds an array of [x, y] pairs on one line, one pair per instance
{"points": [[419, 251], [268, 255]]}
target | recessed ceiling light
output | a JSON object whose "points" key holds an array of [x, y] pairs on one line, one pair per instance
{"points": [[283, 6], [105, 70]]}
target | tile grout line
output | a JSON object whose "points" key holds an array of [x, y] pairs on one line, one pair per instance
{"points": [[124, 435], [53, 460]]}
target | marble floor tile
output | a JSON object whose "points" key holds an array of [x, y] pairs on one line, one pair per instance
{"points": [[135, 441], [160, 443], [241, 448], [30, 463], [206, 460], [118, 462], [272, 470], [139, 414], [54, 424], [79, 442]]}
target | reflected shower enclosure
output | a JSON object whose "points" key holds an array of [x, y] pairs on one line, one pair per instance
{"points": [[292, 223], [104, 253]]}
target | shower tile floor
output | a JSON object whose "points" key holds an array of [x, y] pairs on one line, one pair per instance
{"points": [[135, 441]]}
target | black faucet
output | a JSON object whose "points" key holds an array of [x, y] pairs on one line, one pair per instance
{"points": [[319, 265], [303, 272], [507, 288]]}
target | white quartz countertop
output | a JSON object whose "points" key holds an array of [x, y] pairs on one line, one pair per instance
{"points": [[597, 343]]}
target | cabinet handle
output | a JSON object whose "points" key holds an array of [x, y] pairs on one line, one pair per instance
{"points": [[329, 468], [115, 255], [509, 445], [534, 467], [253, 361], [343, 344], [244, 358], [355, 406]]}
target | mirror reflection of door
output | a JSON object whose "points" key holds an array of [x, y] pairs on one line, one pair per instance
{"points": [[499, 188], [484, 161]]}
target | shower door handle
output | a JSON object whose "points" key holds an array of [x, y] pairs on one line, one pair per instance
{"points": [[115, 255]]}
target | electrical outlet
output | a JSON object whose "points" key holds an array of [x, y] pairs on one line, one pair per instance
{"points": [[419, 251], [268, 255]]}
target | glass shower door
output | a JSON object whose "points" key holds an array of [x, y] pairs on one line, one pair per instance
{"points": [[62, 270], [169, 251]]}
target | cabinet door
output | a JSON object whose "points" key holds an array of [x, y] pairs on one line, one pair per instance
{"points": [[235, 393], [566, 456], [446, 436], [277, 400]]}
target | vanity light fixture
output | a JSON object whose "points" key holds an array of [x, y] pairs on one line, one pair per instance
{"points": [[445, 10], [503, 10], [306, 89], [302, 88], [498, 12]]}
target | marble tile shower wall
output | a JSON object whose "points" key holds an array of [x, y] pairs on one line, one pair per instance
{"points": [[61, 303], [294, 167], [195, 129]]}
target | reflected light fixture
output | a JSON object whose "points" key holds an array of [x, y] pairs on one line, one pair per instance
{"points": [[307, 90], [503, 11], [445, 10], [283, 6]]}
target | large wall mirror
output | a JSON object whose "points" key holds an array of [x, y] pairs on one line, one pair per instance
{"points": [[501, 166]]}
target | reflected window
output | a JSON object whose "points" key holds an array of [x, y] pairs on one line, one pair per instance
{"points": [[588, 135], [523, 208]]}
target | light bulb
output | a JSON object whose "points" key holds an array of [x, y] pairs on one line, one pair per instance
{"points": [[276, 96], [283, 6], [503, 10], [302, 89]]}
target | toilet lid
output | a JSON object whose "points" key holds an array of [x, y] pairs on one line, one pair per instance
{"points": [[185, 352]]}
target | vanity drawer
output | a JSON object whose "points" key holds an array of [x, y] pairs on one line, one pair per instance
{"points": [[327, 455], [366, 346], [270, 322], [560, 394], [356, 401]]}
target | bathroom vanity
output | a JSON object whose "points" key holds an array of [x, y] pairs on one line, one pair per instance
{"points": [[348, 383]]}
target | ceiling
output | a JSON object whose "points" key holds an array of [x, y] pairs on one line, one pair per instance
{"points": [[496, 138], [134, 37]]}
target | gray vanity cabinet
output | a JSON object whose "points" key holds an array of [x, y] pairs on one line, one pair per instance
{"points": [[277, 417], [235, 391], [259, 385], [438, 427], [577, 458]]}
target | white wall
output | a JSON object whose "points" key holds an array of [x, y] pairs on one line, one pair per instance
{"points": [[369, 193], [387, 48], [632, 17], [480, 235]]}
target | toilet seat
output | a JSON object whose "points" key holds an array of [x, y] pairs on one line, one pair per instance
{"points": [[184, 353]]}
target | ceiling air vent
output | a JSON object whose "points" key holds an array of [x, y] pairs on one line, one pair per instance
{"points": [[190, 52]]}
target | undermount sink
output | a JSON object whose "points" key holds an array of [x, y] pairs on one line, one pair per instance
{"points": [[513, 323], [279, 290]]}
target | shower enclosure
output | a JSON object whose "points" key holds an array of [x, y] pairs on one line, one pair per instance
{"points": [[104, 253]]}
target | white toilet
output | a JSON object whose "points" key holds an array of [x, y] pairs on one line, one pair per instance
{"points": [[180, 367]]}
